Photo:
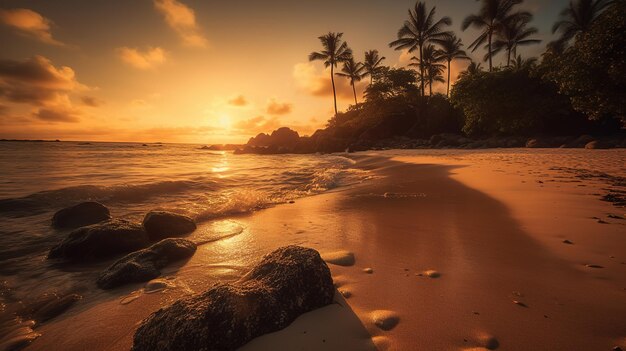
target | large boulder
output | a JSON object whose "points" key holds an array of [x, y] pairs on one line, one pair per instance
{"points": [[82, 214], [160, 225], [597, 144], [286, 283], [144, 265], [101, 241]]}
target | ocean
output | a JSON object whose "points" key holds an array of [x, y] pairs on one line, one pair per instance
{"points": [[131, 179]]}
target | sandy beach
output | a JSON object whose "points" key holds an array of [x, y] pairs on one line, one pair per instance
{"points": [[466, 252]]}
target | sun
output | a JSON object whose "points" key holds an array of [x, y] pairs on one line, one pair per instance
{"points": [[225, 122]]}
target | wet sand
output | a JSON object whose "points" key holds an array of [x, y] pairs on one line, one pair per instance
{"points": [[464, 253]]}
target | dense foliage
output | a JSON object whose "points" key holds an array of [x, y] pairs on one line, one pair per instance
{"points": [[592, 72], [513, 102]]}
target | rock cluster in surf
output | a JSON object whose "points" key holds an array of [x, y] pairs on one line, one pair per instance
{"points": [[286, 283], [113, 236]]}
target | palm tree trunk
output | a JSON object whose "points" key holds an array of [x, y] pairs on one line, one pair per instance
{"points": [[422, 70], [354, 91], [332, 80], [508, 58], [448, 92], [490, 58], [430, 87]]}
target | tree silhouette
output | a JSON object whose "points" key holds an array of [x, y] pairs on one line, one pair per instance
{"points": [[451, 50], [353, 71], [519, 64], [491, 18], [577, 18], [514, 34], [419, 30], [372, 64], [335, 51], [431, 67]]}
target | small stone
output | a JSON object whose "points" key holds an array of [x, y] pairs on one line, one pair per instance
{"points": [[368, 270], [385, 320], [568, 242], [345, 293], [593, 266], [617, 348], [292, 202], [491, 343], [432, 274], [519, 303]]}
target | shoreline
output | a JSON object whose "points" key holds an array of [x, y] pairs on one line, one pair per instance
{"points": [[420, 214]]}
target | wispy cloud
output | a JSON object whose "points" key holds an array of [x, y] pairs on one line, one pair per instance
{"points": [[142, 59], [182, 19], [277, 108], [91, 101], [29, 23], [238, 101], [317, 83], [259, 124]]}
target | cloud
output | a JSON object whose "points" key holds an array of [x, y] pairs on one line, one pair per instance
{"points": [[276, 108], [29, 23], [146, 59], [57, 115], [182, 19], [91, 101], [38, 83], [259, 124], [317, 83], [238, 101]]}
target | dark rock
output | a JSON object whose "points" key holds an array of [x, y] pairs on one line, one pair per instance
{"points": [[536, 143], [82, 214], [50, 305], [144, 265], [287, 283], [597, 144], [101, 240], [160, 225]]}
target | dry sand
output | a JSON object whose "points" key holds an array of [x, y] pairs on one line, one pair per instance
{"points": [[465, 251]]}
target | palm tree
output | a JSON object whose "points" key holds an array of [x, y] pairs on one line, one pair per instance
{"points": [[372, 64], [335, 51], [419, 30], [514, 34], [451, 50], [577, 18], [491, 18], [430, 66], [353, 71], [473, 68], [519, 64]]}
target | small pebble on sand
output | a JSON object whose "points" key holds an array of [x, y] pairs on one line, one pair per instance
{"points": [[345, 293], [156, 285], [368, 270], [432, 274], [340, 258], [385, 320], [593, 266], [520, 303], [567, 242]]}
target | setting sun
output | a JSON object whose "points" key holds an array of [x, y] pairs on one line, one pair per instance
{"points": [[355, 175]]}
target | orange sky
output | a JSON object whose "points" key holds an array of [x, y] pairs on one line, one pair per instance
{"points": [[189, 71]]}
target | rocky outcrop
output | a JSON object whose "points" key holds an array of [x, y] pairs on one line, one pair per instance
{"points": [[146, 264], [160, 225], [285, 284], [101, 240], [82, 214]]}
